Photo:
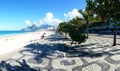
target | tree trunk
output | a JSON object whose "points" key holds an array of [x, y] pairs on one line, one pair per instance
{"points": [[87, 29], [72, 42], [65, 35], [115, 33], [87, 33]]}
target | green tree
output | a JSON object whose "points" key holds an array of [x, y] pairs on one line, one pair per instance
{"points": [[63, 27], [86, 16], [77, 30], [106, 9], [77, 33]]}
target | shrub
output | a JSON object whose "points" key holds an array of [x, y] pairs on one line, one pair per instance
{"points": [[77, 33]]}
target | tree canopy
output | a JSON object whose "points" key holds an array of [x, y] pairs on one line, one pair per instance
{"points": [[75, 28], [106, 9]]}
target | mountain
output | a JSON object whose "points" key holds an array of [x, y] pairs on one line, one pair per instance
{"points": [[30, 28], [45, 26], [35, 28]]}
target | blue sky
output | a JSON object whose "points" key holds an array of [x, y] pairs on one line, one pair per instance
{"points": [[17, 14]]}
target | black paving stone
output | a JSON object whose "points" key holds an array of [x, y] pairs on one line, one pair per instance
{"points": [[118, 69], [34, 61], [112, 61], [67, 63], [58, 70]]}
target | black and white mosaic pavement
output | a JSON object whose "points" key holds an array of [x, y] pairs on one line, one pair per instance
{"points": [[55, 54]]}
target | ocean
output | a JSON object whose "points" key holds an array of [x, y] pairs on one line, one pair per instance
{"points": [[7, 33]]}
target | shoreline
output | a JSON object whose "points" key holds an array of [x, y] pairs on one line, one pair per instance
{"points": [[17, 34], [14, 42]]}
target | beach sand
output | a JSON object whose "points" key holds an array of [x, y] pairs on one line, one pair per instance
{"points": [[55, 53], [14, 43]]}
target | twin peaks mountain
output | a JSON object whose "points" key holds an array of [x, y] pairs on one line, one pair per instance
{"points": [[35, 28]]}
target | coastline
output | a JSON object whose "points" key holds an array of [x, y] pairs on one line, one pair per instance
{"points": [[10, 33], [14, 42]]}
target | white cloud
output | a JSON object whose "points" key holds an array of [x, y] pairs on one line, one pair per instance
{"points": [[72, 14], [28, 22], [49, 19]]}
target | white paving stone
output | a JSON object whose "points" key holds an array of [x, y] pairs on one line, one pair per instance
{"points": [[88, 59], [93, 67], [116, 57]]}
